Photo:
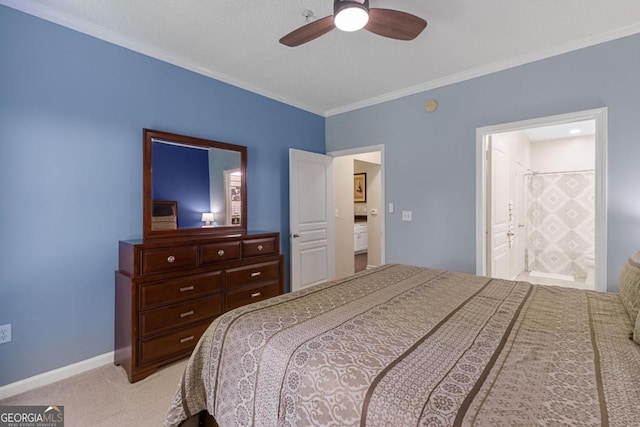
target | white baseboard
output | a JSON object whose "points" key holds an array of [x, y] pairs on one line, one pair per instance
{"points": [[55, 375]]}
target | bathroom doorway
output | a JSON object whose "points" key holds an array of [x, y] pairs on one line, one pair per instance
{"points": [[542, 201]]}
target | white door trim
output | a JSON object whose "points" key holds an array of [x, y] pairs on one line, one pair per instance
{"points": [[368, 149], [600, 117]]}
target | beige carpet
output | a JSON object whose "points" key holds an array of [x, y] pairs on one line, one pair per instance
{"points": [[104, 397]]}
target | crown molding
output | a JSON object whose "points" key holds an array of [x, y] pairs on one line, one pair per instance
{"points": [[489, 69], [47, 13]]}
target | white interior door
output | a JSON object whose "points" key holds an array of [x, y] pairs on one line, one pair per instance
{"points": [[499, 221], [311, 218], [520, 230]]}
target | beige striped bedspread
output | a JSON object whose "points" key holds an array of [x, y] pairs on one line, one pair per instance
{"points": [[410, 346]]}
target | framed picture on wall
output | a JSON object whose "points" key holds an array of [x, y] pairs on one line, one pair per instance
{"points": [[359, 187]]}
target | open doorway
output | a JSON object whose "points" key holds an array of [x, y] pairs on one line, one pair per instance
{"points": [[359, 218], [541, 200]]}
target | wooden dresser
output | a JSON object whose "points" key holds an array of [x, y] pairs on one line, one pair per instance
{"points": [[168, 292]]}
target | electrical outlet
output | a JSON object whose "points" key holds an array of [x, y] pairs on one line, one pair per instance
{"points": [[5, 333]]}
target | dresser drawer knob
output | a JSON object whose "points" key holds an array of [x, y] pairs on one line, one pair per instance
{"points": [[256, 274], [220, 252], [186, 288], [260, 247], [171, 259], [187, 313], [186, 339], [256, 294]]}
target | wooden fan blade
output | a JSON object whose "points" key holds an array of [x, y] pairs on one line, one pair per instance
{"points": [[308, 32], [395, 24]]}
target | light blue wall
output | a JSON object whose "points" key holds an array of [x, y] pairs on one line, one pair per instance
{"points": [[430, 157], [72, 110]]}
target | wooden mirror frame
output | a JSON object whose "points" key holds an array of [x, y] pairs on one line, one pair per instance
{"points": [[149, 135]]}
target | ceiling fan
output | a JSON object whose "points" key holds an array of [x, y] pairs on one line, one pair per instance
{"points": [[353, 15]]}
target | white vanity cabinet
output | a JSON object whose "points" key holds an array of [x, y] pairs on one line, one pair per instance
{"points": [[360, 237]]}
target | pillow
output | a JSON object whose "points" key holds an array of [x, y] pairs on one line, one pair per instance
{"points": [[629, 286]]}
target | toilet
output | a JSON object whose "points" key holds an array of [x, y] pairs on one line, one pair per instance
{"points": [[588, 262]]}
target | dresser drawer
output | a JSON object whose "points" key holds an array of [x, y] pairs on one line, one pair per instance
{"points": [[219, 251], [255, 273], [244, 296], [259, 247], [175, 343], [160, 319], [175, 290], [158, 260]]}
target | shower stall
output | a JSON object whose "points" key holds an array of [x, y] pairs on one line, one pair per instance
{"points": [[560, 221]]}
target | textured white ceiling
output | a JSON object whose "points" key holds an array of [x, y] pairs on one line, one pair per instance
{"points": [[237, 41]]}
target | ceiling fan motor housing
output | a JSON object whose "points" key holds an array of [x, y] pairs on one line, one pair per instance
{"points": [[338, 5]]}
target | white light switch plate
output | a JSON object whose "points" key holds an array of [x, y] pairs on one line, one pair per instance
{"points": [[5, 333]]}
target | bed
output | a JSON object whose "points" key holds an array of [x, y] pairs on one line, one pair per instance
{"points": [[402, 345], [164, 215]]}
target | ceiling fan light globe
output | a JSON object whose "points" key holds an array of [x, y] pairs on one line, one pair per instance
{"points": [[351, 18]]}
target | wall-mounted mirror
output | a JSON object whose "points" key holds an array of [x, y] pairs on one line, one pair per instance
{"points": [[192, 186]]}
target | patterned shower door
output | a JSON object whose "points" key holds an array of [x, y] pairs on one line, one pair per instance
{"points": [[560, 221]]}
